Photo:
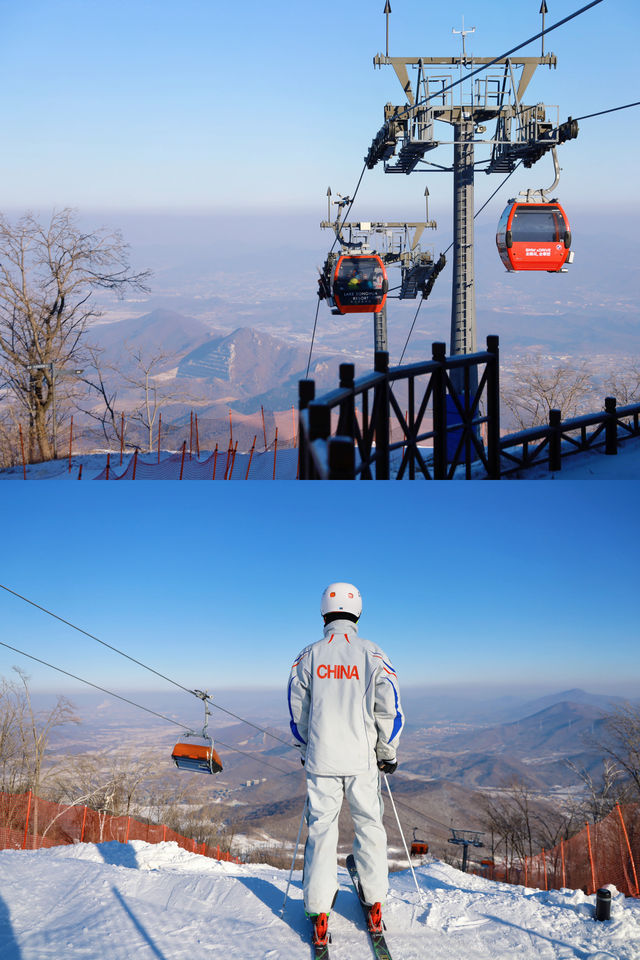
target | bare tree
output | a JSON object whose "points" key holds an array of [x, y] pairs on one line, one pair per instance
{"points": [[533, 389], [601, 795], [623, 745], [153, 393], [104, 410], [624, 383], [522, 823], [48, 277]]}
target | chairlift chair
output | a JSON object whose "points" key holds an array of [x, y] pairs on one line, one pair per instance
{"points": [[195, 752], [419, 848]]}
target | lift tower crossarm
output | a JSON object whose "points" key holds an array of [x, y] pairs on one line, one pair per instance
{"points": [[400, 65]]}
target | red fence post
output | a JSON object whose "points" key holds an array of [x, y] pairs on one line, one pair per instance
{"points": [[108, 461], [135, 463], [264, 428], [233, 460], [121, 438], [80, 472], [251, 457], [26, 826], [593, 873], [275, 452], [626, 837], [70, 441], [184, 450], [24, 462]]}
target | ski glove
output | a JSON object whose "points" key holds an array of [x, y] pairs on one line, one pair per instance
{"points": [[388, 766]]}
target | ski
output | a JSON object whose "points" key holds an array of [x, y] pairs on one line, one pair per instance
{"points": [[378, 941]]}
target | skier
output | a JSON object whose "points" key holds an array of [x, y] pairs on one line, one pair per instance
{"points": [[346, 719]]}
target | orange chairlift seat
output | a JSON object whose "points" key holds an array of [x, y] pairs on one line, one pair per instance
{"points": [[196, 752], [419, 848], [359, 284], [534, 236]]}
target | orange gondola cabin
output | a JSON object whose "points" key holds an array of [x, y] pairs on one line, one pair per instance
{"points": [[534, 236], [196, 753], [359, 284]]}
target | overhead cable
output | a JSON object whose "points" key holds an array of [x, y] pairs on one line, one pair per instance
{"points": [[503, 56], [404, 349], [133, 703], [601, 113], [143, 665]]}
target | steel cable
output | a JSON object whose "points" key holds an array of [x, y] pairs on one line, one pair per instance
{"points": [[139, 706], [144, 665]]}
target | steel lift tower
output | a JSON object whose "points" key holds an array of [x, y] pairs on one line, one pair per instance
{"points": [[467, 93]]}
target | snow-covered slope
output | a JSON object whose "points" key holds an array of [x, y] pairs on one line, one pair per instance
{"points": [[114, 902]]}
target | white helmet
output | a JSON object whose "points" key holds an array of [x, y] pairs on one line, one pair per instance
{"points": [[341, 597]]}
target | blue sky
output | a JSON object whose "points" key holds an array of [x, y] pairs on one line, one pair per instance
{"points": [[199, 105], [511, 583]]}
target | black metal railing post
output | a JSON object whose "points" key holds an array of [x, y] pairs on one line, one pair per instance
{"points": [[439, 392], [342, 458], [319, 429], [493, 409], [381, 403], [346, 424], [611, 427], [555, 440], [306, 394]]}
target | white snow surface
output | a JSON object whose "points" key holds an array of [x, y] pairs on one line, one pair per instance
{"points": [[113, 901], [587, 465]]}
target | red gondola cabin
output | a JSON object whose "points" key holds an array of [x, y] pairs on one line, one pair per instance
{"points": [[360, 284], [534, 236]]}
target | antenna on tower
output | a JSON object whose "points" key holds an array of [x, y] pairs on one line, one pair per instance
{"points": [[543, 10], [387, 11], [464, 33]]}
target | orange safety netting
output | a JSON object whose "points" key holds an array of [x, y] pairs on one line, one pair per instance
{"points": [[30, 823], [601, 853]]}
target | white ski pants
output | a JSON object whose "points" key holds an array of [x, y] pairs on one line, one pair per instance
{"points": [[325, 796]]}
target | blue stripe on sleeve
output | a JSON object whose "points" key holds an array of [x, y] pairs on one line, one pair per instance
{"points": [[292, 723], [398, 722]]}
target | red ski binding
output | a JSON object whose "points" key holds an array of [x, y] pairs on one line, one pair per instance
{"points": [[320, 928], [374, 918]]}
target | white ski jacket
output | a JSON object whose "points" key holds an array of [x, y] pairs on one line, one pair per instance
{"points": [[344, 703]]}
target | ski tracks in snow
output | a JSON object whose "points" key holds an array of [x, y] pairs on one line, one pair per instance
{"points": [[158, 902]]}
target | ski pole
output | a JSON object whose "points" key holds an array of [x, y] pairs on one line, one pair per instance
{"points": [[295, 854], [420, 892]]}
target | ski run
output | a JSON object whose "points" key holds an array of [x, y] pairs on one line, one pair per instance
{"points": [[115, 901]]}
